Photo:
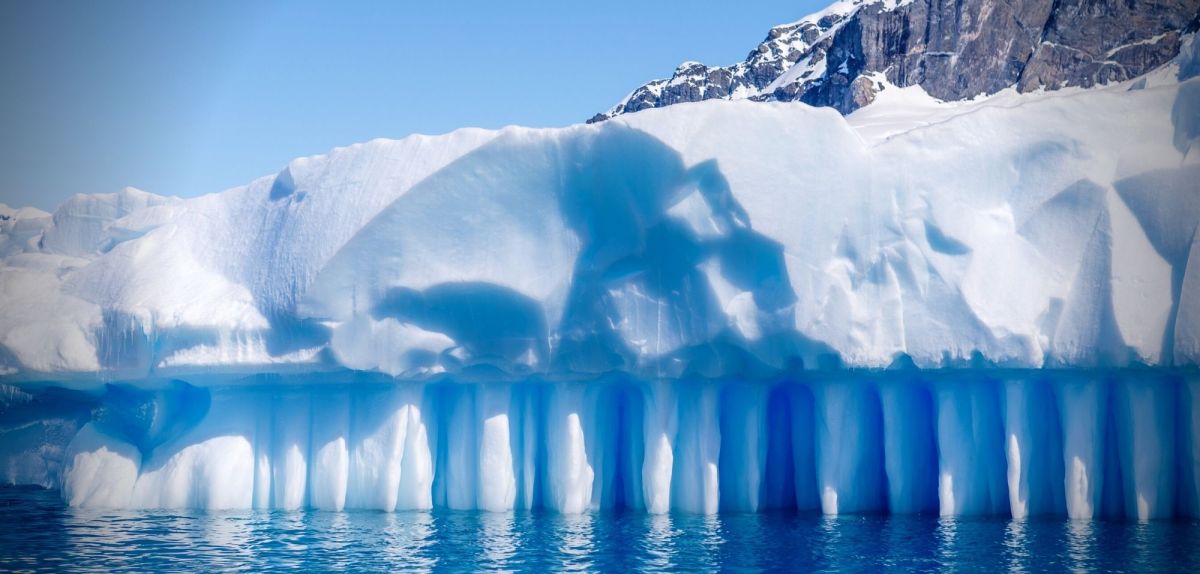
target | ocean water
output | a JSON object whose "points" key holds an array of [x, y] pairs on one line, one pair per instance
{"points": [[39, 533]]}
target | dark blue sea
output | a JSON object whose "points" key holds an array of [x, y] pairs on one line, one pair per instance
{"points": [[40, 534]]}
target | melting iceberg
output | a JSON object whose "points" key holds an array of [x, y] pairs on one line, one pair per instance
{"points": [[975, 307]]}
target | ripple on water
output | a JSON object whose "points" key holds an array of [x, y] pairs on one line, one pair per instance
{"points": [[38, 534]]}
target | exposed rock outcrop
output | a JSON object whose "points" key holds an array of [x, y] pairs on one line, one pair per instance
{"points": [[954, 49]]}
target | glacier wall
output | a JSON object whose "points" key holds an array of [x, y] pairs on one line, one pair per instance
{"points": [[1080, 444]]}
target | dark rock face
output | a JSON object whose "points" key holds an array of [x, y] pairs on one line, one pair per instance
{"points": [[954, 49]]}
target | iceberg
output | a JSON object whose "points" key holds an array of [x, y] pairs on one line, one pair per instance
{"points": [[979, 307]]}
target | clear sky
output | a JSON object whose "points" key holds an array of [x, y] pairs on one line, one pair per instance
{"points": [[191, 97]]}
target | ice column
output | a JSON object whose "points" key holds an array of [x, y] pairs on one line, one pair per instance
{"points": [[1033, 448], [211, 466], [570, 476], [660, 423], [415, 490], [379, 429], [496, 479], [290, 418], [849, 440], [972, 471], [1083, 407], [743, 427], [330, 466], [804, 448], [910, 449], [100, 471], [1189, 446], [1147, 445], [695, 483], [460, 451]]}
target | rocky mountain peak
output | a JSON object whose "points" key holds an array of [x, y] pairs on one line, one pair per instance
{"points": [[954, 49]]}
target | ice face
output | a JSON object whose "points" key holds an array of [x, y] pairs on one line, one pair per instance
{"points": [[1022, 443], [717, 239]]}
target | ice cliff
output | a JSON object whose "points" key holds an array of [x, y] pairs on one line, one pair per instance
{"points": [[719, 238], [988, 306]]}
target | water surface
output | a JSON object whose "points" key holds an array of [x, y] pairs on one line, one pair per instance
{"points": [[38, 533]]}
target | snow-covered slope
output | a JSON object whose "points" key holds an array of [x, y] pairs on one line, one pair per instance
{"points": [[719, 238]]}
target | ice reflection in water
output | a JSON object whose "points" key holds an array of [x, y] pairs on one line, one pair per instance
{"points": [[575, 542], [407, 540], [1016, 546], [946, 532], [711, 543], [38, 534], [229, 537], [1080, 544], [497, 542], [291, 531], [658, 545]]}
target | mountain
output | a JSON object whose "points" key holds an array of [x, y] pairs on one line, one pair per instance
{"points": [[842, 56]]}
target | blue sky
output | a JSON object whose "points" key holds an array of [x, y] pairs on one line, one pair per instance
{"points": [[191, 97]]}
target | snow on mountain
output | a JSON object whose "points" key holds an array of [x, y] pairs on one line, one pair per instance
{"points": [[1037, 229], [954, 49]]}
